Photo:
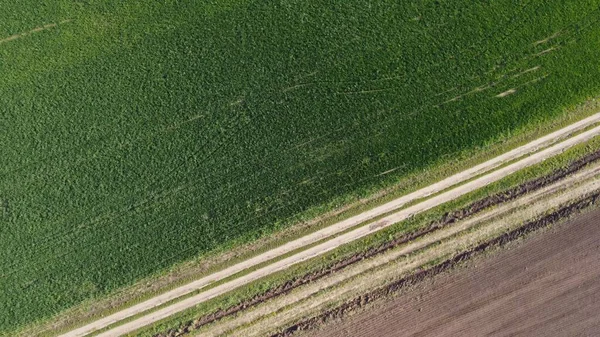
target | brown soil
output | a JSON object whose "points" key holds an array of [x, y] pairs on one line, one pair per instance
{"points": [[446, 220], [547, 286]]}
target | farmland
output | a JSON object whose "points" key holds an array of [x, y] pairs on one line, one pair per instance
{"points": [[559, 270], [527, 211], [135, 136]]}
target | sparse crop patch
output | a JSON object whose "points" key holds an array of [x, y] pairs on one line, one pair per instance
{"points": [[141, 135]]}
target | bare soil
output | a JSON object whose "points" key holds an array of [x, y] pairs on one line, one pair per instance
{"points": [[548, 285]]}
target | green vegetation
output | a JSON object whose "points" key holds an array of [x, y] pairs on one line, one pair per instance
{"points": [[396, 231], [136, 135]]}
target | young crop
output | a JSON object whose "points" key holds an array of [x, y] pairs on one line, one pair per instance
{"points": [[136, 135]]}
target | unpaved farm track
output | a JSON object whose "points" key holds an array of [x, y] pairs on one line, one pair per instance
{"points": [[321, 248], [547, 286], [446, 220]]}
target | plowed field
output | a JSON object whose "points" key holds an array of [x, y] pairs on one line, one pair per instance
{"points": [[547, 286]]}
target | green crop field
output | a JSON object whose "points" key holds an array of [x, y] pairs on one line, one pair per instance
{"points": [[138, 134]]}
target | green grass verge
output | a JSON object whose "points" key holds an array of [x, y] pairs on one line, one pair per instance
{"points": [[137, 135]]}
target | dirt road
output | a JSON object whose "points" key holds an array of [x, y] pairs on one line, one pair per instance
{"points": [[546, 286], [551, 148], [364, 280]]}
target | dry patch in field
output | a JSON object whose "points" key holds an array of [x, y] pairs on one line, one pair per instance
{"points": [[476, 90], [506, 93], [388, 171], [178, 125], [33, 31], [446, 91], [536, 68], [359, 92], [546, 51], [297, 86], [551, 37]]}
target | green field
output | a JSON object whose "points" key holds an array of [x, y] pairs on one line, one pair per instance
{"points": [[135, 135]]}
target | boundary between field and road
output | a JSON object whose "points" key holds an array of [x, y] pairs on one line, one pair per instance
{"points": [[336, 289], [448, 219], [263, 315], [301, 224], [564, 213], [473, 178]]}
